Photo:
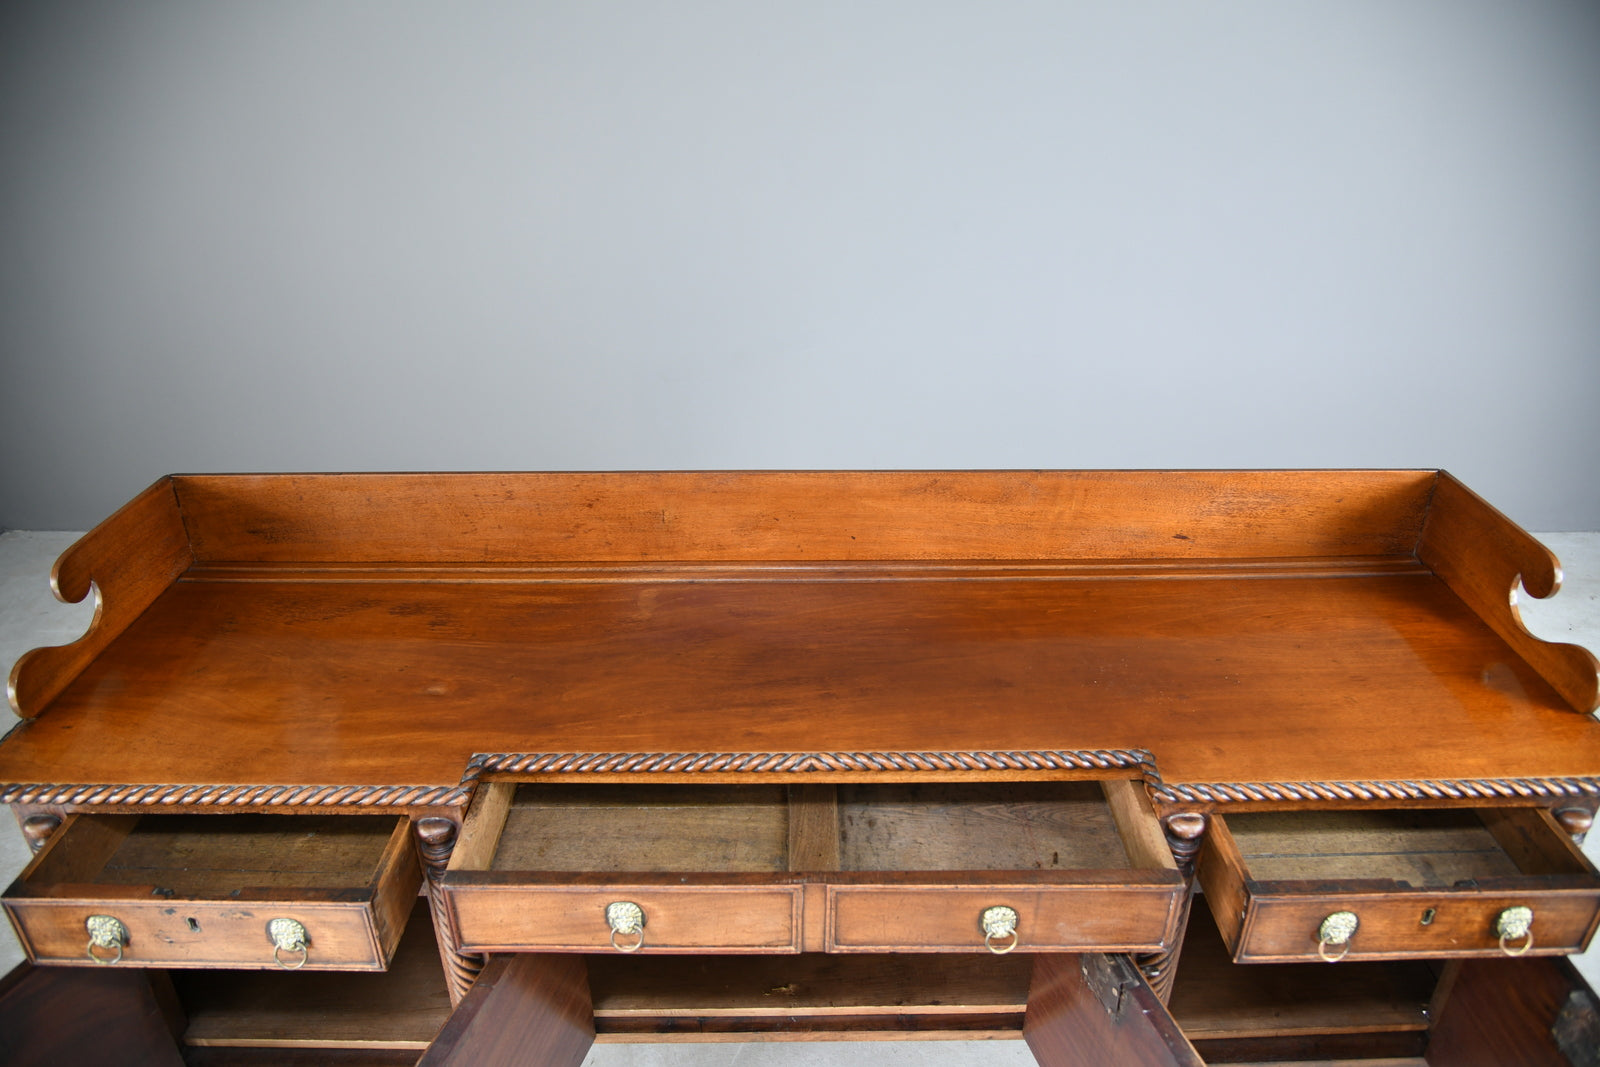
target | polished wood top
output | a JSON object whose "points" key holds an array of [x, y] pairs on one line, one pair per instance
{"points": [[337, 669], [1269, 676]]}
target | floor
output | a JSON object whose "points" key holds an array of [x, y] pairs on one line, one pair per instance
{"points": [[30, 617]]}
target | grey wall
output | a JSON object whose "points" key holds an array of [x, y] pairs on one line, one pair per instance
{"points": [[319, 235]]}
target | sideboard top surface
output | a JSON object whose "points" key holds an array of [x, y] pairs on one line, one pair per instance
{"points": [[381, 630]]}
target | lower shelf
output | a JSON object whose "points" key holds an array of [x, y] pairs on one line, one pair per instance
{"points": [[1232, 1012], [1296, 1011], [400, 1009], [810, 996]]}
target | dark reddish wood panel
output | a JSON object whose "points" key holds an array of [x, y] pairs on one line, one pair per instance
{"points": [[1501, 1012], [521, 1010], [103, 1017], [1098, 1010]]}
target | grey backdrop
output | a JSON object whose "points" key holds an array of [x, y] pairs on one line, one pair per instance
{"points": [[338, 235]]}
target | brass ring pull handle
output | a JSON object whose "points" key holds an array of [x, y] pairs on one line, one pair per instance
{"points": [[626, 919], [999, 923], [287, 935], [105, 931], [1336, 929], [1514, 923]]}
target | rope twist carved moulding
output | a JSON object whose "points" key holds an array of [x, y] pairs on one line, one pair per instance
{"points": [[805, 762], [238, 796], [1139, 761], [1458, 789]]}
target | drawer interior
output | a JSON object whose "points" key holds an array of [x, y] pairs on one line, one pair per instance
{"points": [[644, 828], [210, 857], [1018, 826], [946, 826], [1417, 848]]}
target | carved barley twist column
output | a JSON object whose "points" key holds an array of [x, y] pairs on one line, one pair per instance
{"points": [[436, 838], [1185, 831]]}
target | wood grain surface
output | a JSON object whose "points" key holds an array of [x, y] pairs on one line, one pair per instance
{"points": [[1422, 884], [802, 515], [1214, 998], [1246, 627], [129, 559], [1506, 1012], [1485, 558], [42, 1019], [522, 1010], [198, 891], [1289, 679], [1071, 1022], [401, 1008]]}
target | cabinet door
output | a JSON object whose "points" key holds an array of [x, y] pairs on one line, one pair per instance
{"points": [[523, 1011], [1097, 1008], [1535, 1013], [50, 1016]]}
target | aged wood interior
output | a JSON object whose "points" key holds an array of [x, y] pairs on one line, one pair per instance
{"points": [[901, 827], [1420, 848], [218, 858]]}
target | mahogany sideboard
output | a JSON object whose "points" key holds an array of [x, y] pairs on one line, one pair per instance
{"points": [[1142, 766]]}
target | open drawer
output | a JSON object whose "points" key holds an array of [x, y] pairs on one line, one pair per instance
{"points": [[312, 892], [1392, 884], [939, 867]]}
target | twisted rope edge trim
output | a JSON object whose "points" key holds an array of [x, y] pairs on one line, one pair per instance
{"points": [[1449, 789], [1138, 760], [297, 796]]}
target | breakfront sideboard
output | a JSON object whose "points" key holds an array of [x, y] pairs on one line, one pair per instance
{"points": [[1144, 767]]}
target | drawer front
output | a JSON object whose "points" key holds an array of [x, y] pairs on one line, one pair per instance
{"points": [[201, 890], [1280, 928], [1273, 880], [557, 918], [901, 918], [201, 933]]}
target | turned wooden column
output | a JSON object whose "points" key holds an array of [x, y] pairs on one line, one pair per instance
{"points": [[1575, 820], [1184, 831], [436, 838], [36, 829]]}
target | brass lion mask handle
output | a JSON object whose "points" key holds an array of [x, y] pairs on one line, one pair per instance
{"points": [[1337, 929], [999, 923], [1514, 923], [287, 935], [626, 919], [105, 932]]}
